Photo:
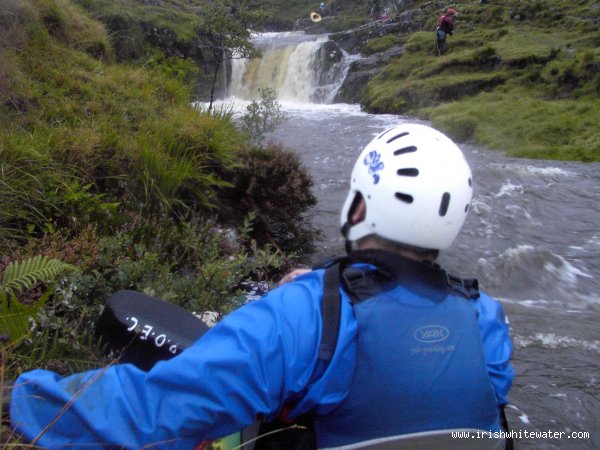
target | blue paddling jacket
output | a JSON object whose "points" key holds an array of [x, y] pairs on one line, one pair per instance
{"points": [[415, 356]]}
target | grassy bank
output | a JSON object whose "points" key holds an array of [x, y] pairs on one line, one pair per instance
{"points": [[534, 61], [106, 167], [521, 77]]}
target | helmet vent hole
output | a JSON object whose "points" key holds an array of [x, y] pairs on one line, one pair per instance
{"points": [[404, 197], [408, 172], [402, 151], [467, 207], [398, 136], [470, 182], [444, 204]]}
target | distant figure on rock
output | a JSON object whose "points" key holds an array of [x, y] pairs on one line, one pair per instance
{"points": [[322, 9], [445, 26], [385, 16]]}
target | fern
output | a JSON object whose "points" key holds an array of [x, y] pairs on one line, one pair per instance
{"points": [[56, 352], [15, 316], [20, 276]]}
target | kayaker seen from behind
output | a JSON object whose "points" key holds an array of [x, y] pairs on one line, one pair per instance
{"points": [[379, 343]]}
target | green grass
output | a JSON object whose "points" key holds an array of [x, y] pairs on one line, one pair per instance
{"points": [[180, 16], [127, 131], [523, 126], [379, 44], [516, 87], [107, 166]]}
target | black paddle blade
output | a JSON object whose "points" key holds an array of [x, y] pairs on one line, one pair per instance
{"points": [[144, 330]]}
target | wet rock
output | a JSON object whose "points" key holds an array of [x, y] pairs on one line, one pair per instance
{"points": [[361, 72], [330, 53], [354, 86]]}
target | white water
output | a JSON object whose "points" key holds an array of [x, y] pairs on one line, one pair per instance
{"points": [[295, 65], [532, 239]]}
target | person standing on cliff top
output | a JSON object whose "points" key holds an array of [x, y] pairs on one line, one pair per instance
{"points": [[322, 9], [445, 26]]}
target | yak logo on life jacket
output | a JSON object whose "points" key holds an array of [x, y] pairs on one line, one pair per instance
{"points": [[431, 333]]}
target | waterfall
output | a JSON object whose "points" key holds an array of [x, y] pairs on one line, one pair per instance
{"points": [[301, 68]]}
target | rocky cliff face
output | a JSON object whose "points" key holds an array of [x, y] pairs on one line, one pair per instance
{"points": [[361, 71], [131, 36], [354, 41]]}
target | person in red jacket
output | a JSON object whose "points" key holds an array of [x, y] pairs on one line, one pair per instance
{"points": [[445, 26]]}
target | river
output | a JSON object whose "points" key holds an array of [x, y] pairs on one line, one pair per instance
{"points": [[532, 239]]}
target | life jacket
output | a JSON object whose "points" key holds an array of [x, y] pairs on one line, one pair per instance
{"points": [[445, 23], [432, 377], [365, 287], [420, 362]]}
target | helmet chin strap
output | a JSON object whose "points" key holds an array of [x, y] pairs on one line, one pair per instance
{"points": [[345, 230], [356, 214]]}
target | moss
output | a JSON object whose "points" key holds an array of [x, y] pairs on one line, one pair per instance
{"points": [[380, 44], [525, 126], [530, 79], [87, 117], [178, 16]]}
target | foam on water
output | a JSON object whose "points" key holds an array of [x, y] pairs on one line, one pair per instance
{"points": [[524, 418], [479, 207], [527, 272], [593, 243], [298, 109], [528, 303], [318, 110], [531, 170], [565, 272], [508, 188], [550, 171], [554, 341], [282, 39], [522, 256]]}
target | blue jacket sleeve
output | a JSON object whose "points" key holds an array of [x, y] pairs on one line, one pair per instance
{"points": [[246, 366], [497, 346]]}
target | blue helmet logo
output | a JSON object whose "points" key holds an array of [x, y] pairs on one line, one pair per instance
{"points": [[374, 163]]}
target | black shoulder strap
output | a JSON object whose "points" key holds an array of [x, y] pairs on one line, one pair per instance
{"points": [[468, 287], [389, 265], [330, 311]]}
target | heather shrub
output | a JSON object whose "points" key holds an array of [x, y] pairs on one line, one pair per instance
{"points": [[275, 187]]}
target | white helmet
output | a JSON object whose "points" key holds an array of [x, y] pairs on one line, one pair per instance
{"points": [[416, 185]]}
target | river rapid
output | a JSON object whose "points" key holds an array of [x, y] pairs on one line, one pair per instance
{"points": [[532, 239]]}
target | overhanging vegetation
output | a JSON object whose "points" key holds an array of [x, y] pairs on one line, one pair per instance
{"points": [[106, 166]]}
